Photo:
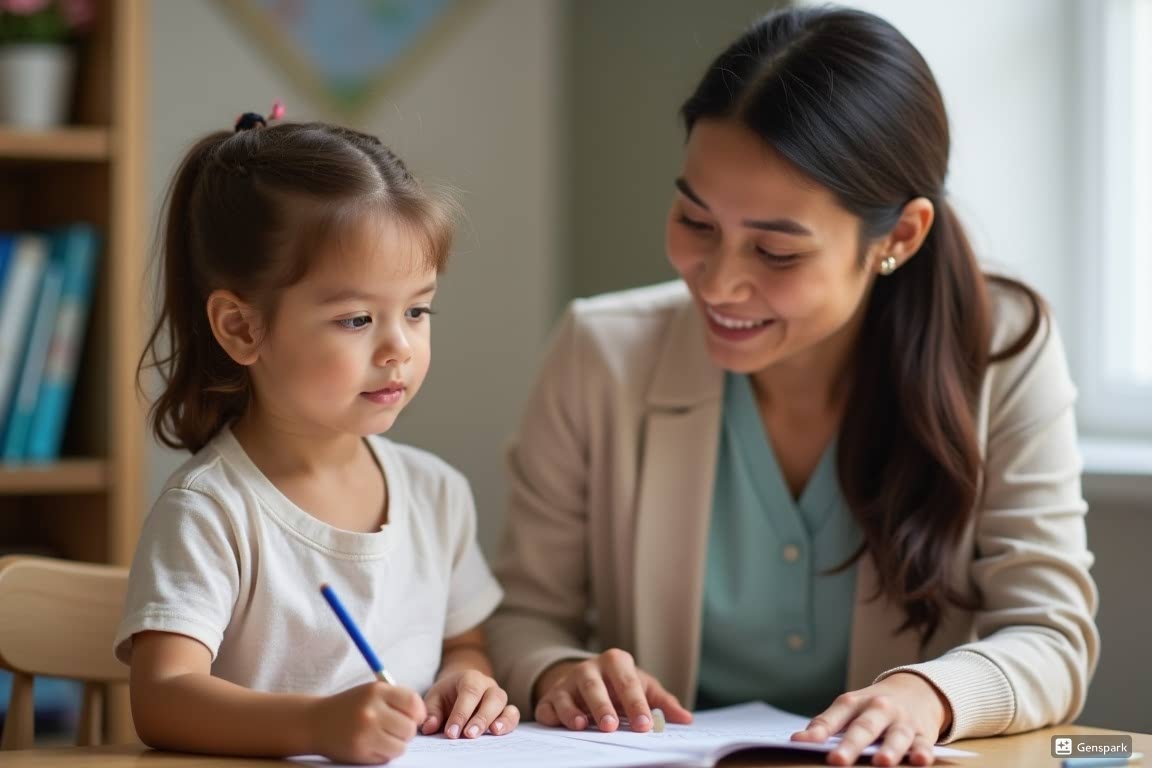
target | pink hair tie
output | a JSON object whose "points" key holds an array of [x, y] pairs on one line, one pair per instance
{"points": [[277, 110]]}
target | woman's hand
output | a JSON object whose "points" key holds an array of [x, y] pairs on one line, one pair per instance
{"points": [[371, 723], [476, 703], [574, 694], [905, 709]]}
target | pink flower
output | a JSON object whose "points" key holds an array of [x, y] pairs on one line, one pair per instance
{"points": [[77, 13], [23, 7]]}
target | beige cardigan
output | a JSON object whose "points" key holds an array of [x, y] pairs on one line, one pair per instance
{"points": [[611, 480]]}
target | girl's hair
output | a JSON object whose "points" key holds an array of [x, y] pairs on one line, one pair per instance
{"points": [[848, 100], [247, 212]]}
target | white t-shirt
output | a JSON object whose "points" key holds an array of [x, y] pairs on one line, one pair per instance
{"points": [[227, 559]]}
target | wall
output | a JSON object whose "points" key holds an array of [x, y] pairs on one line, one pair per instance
{"points": [[632, 64]]}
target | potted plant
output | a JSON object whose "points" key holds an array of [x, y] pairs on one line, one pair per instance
{"points": [[37, 59]]}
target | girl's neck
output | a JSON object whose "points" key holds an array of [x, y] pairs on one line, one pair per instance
{"points": [[285, 449]]}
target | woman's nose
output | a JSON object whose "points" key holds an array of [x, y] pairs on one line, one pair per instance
{"points": [[724, 278]]}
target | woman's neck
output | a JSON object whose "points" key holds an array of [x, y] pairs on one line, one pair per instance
{"points": [[815, 382]]}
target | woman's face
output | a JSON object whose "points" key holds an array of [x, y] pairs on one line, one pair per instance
{"points": [[772, 260]]}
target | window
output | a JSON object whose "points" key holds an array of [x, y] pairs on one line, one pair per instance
{"points": [[1115, 259]]}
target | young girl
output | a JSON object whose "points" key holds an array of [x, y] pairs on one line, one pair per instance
{"points": [[300, 263]]}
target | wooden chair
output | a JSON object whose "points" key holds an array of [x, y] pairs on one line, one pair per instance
{"points": [[58, 618]]}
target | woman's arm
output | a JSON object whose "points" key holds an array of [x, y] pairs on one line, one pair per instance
{"points": [[1038, 641], [178, 705], [543, 567]]}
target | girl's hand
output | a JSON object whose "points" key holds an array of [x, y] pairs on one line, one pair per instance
{"points": [[905, 709], [476, 703], [574, 694], [371, 723]]}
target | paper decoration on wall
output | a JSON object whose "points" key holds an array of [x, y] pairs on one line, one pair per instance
{"points": [[346, 52]]}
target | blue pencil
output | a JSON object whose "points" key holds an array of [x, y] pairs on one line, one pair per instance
{"points": [[354, 633]]}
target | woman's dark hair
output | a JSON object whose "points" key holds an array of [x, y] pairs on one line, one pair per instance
{"points": [[844, 97], [246, 212]]}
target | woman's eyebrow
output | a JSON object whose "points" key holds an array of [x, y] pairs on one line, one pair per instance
{"points": [[785, 226]]}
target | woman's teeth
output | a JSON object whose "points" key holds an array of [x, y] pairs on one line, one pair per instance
{"points": [[730, 322]]}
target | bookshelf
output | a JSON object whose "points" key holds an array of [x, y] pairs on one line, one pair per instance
{"points": [[87, 506]]}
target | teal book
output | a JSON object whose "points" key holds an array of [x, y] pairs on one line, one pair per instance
{"points": [[19, 423], [26, 266], [79, 249]]}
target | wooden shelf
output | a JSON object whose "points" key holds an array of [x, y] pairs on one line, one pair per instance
{"points": [[91, 144], [69, 476]]}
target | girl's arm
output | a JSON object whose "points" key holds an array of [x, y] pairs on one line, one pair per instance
{"points": [[178, 705]]}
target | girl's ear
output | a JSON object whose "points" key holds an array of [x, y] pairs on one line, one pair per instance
{"points": [[236, 325]]}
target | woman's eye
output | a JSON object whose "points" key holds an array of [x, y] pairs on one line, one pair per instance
{"points": [[417, 313], [777, 259], [353, 323], [693, 224]]}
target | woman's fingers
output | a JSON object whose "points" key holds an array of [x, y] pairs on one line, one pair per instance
{"points": [[674, 711], [862, 731], [620, 672], [592, 689], [831, 721], [897, 739], [568, 710]]}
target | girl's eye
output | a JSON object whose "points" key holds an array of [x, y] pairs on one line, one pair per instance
{"points": [[693, 224], [352, 323], [417, 313]]}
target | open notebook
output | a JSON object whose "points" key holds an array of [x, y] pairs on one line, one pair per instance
{"points": [[712, 735]]}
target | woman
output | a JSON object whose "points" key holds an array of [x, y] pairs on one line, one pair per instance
{"points": [[834, 467]]}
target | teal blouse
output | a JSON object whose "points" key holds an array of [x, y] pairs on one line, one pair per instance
{"points": [[776, 626]]}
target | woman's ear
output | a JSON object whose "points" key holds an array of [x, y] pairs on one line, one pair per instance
{"points": [[906, 237], [236, 326]]}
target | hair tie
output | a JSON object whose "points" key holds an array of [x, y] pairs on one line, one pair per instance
{"points": [[250, 120]]}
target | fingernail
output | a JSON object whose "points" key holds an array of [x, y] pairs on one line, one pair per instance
{"points": [[473, 731], [430, 720], [498, 727], [579, 722], [453, 731], [643, 720], [607, 721]]}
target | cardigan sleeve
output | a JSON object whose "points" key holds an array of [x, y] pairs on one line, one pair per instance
{"points": [[543, 563], [1037, 642]]}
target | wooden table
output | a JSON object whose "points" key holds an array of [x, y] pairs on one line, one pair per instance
{"points": [[1023, 751]]}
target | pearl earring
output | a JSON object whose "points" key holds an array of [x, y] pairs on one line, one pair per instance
{"points": [[888, 265]]}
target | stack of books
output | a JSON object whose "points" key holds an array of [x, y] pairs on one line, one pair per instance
{"points": [[45, 293]]}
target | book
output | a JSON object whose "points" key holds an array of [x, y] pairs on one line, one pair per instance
{"points": [[712, 736], [79, 248], [14, 438], [5, 252], [21, 290]]}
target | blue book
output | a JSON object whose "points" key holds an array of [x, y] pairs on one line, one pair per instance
{"points": [[21, 291], [19, 422], [80, 244], [6, 241]]}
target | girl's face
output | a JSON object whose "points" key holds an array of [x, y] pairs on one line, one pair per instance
{"points": [[351, 341], [770, 257]]}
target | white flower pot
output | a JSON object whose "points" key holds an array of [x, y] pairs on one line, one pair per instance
{"points": [[35, 84]]}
